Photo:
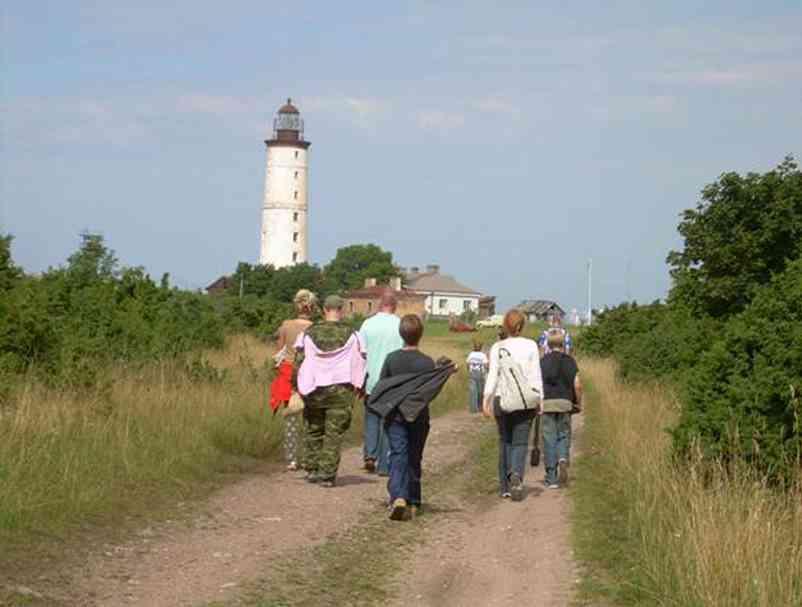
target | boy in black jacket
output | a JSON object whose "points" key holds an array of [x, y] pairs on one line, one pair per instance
{"points": [[407, 438]]}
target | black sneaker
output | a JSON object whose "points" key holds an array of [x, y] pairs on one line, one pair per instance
{"points": [[516, 488], [562, 472]]}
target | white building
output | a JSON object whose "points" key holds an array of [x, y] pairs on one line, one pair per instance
{"points": [[286, 203], [444, 295]]}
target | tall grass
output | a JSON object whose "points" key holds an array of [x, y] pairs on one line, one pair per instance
{"points": [[147, 433], [66, 455], [657, 532]]}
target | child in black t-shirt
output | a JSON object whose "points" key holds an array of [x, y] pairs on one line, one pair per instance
{"points": [[407, 439]]}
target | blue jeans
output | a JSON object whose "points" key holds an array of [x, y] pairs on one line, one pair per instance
{"points": [[375, 438], [556, 443], [407, 440], [513, 445], [476, 390]]}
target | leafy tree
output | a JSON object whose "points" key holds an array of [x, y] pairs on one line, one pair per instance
{"points": [[353, 264], [9, 273], [252, 280], [744, 397], [745, 230], [91, 262], [288, 281]]}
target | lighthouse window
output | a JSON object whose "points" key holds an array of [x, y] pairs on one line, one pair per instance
{"points": [[296, 153], [296, 174], [295, 216], [295, 237], [295, 194], [295, 256]]}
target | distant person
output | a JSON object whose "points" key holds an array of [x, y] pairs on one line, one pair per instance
{"points": [[562, 396], [555, 323], [305, 303], [477, 374], [380, 335], [331, 370], [410, 380], [519, 358]]}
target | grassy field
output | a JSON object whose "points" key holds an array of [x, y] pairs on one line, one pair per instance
{"points": [[654, 532]]}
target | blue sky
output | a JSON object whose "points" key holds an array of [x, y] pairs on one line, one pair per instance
{"points": [[506, 144]]}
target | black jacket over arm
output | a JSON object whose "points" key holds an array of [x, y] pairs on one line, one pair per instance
{"points": [[410, 393]]}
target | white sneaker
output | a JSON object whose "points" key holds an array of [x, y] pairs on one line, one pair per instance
{"points": [[554, 486]]}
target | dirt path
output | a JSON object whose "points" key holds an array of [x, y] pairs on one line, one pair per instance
{"points": [[485, 553], [242, 529], [512, 553]]}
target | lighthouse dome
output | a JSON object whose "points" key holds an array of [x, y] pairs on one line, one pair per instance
{"points": [[288, 108]]}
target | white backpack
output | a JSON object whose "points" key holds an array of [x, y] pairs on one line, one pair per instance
{"points": [[515, 391]]}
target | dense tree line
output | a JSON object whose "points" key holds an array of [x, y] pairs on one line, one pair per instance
{"points": [[730, 334], [70, 322]]}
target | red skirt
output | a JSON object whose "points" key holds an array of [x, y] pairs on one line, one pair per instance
{"points": [[281, 388]]}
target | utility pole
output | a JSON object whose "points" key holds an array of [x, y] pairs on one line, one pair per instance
{"points": [[590, 280]]}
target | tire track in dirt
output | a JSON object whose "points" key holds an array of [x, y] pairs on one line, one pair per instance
{"points": [[243, 528], [512, 553]]}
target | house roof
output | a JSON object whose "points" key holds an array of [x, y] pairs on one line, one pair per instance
{"points": [[377, 291], [438, 283], [539, 306], [221, 283]]}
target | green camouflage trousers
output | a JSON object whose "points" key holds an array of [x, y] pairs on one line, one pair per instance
{"points": [[327, 414]]}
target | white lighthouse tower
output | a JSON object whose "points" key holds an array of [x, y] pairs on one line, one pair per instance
{"points": [[286, 203]]}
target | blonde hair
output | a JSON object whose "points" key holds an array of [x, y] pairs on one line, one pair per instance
{"points": [[556, 339], [305, 302], [514, 323]]}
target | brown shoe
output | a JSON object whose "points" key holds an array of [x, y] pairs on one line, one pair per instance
{"points": [[398, 511], [370, 464]]}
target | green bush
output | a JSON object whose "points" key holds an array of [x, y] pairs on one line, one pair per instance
{"points": [[72, 321], [253, 314], [650, 342], [743, 397]]}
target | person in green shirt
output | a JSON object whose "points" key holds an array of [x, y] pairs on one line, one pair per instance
{"points": [[381, 337]]}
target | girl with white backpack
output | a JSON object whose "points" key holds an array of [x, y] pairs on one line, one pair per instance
{"points": [[513, 394]]}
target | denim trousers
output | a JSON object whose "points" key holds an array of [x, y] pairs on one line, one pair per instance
{"points": [[513, 445], [476, 390], [376, 446], [556, 443], [407, 440]]}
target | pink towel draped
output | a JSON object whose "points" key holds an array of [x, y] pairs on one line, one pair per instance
{"points": [[345, 365]]}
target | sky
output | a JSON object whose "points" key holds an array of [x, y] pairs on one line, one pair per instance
{"points": [[507, 142]]}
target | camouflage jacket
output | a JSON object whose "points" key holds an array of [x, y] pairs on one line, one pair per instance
{"points": [[328, 336]]}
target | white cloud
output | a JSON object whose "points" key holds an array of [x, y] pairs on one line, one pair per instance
{"points": [[33, 120], [497, 105], [736, 75], [364, 112], [439, 120], [218, 105]]}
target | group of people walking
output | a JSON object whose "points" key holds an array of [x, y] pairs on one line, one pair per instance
{"points": [[325, 367], [525, 379]]}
